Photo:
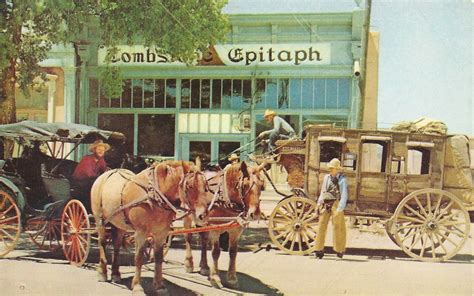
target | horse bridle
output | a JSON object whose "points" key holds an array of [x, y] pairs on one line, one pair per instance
{"points": [[185, 186]]}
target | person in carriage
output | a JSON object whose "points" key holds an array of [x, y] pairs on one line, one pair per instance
{"points": [[88, 170]]}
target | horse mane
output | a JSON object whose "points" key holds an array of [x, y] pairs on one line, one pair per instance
{"points": [[187, 165]]}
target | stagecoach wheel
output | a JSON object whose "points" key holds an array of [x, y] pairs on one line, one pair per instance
{"points": [[45, 233], [75, 234], [293, 225], [10, 224], [430, 225]]}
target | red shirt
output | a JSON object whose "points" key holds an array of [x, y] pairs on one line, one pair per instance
{"points": [[89, 167]]}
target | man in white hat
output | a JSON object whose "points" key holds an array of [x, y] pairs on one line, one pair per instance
{"points": [[89, 168], [332, 201], [281, 129], [233, 158]]}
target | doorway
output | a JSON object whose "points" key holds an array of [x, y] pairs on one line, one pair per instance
{"points": [[212, 149]]}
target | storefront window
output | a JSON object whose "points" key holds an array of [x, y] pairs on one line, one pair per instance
{"points": [[331, 93], [170, 98], [344, 93], [237, 98], [295, 93], [148, 93], [226, 93], [137, 85], [271, 94], [216, 93], [127, 94], [159, 93], [156, 134], [120, 123], [205, 93], [260, 93], [307, 93], [283, 85], [185, 93], [136, 93], [319, 93]]}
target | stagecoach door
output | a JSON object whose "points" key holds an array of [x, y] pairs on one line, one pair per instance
{"points": [[211, 149], [374, 172]]}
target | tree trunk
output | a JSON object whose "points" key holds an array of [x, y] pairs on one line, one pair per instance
{"points": [[7, 103]]}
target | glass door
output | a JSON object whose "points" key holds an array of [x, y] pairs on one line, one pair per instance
{"points": [[212, 149], [201, 149]]}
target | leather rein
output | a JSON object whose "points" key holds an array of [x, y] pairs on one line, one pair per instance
{"points": [[154, 196]]}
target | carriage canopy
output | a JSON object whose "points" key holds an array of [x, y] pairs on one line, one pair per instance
{"points": [[63, 132]]}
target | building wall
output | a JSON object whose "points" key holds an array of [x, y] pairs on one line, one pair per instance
{"points": [[369, 117], [170, 110]]}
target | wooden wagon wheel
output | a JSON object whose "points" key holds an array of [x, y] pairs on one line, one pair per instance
{"points": [[75, 232], [431, 225], [10, 224], [45, 233], [293, 225]]}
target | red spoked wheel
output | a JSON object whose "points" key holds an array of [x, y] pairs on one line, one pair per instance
{"points": [[45, 233], [10, 225], [75, 232]]}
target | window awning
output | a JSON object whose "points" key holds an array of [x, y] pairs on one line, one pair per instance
{"points": [[420, 144], [332, 139], [375, 138]]}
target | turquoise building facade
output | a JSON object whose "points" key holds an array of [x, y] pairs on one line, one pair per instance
{"points": [[306, 67]]}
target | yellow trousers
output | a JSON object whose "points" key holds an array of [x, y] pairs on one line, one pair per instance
{"points": [[339, 229]]}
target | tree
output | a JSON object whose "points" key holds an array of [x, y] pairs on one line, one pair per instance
{"points": [[29, 28]]}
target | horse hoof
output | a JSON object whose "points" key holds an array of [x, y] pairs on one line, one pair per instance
{"points": [[102, 277], [204, 271], [116, 278], [189, 269], [233, 284], [138, 291], [216, 282]]}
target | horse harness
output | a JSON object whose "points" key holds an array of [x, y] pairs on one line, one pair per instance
{"points": [[220, 198], [153, 197]]}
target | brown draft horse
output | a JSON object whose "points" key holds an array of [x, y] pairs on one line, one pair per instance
{"points": [[241, 186], [180, 182]]}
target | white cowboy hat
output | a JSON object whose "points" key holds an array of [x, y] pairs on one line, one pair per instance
{"points": [[98, 143], [335, 164], [232, 157], [269, 112]]}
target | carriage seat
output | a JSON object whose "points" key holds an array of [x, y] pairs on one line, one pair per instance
{"points": [[57, 186]]}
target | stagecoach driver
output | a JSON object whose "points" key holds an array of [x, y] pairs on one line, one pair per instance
{"points": [[332, 201], [89, 168], [281, 129]]}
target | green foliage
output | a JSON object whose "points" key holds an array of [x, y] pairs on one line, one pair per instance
{"points": [[29, 28], [111, 81]]}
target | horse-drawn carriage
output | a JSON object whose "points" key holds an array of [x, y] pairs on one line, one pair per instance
{"points": [[35, 186], [418, 185]]}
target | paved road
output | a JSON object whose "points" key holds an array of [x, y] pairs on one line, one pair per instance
{"points": [[373, 265]]}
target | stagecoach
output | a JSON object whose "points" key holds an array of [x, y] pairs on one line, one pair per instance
{"points": [[418, 186], [35, 187]]}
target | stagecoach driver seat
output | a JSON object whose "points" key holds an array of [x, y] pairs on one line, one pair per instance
{"points": [[88, 170]]}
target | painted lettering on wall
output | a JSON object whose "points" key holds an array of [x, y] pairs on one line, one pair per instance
{"points": [[230, 55]]}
